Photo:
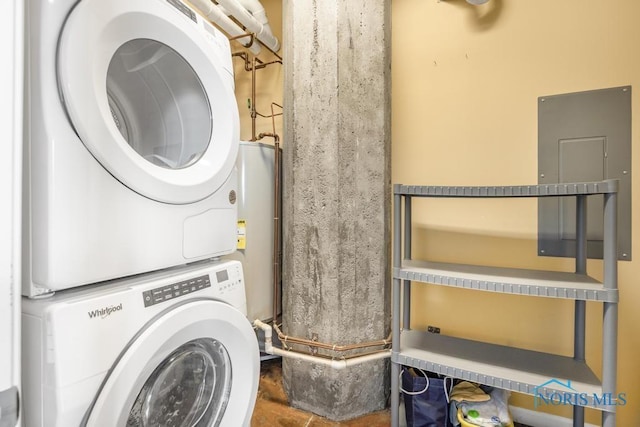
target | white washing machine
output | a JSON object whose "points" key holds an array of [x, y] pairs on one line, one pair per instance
{"points": [[131, 139], [10, 209], [170, 348]]}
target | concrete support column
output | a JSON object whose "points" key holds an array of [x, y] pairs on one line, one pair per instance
{"points": [[337, 192]]}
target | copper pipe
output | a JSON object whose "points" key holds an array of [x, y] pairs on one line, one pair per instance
{"points": [[245, 58], [276, 226], [273, 116], [276, 221], [270, 50], [273, 120], [264, 64], [259, 63], [253, 100], [252, 38], [333, 347], [253, 65], [324, 356], [254, 112]]}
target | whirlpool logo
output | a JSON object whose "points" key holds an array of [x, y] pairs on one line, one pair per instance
{"points": [[101, 313]]}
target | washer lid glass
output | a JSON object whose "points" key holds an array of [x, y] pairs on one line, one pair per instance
{"points": [[147, 94], [158, 104], [189, 388]]}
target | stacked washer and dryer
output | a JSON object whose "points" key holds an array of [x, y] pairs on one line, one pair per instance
{"points": [[131, 138]]}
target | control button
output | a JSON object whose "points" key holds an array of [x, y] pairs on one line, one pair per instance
{"points": [[147, 297]]}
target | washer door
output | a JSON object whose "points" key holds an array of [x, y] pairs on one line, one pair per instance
{"points": [[145, 91], [196, 364]]}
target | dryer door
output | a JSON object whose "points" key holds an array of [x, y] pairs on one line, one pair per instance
{"points": [[145, 89], [196, 364]]}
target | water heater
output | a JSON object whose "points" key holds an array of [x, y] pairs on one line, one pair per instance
{"points": [[256, 181]]}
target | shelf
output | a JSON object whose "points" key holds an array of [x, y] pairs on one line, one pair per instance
{"points": [[551, 379], [553, 284], [543, 190], [509, 368]]}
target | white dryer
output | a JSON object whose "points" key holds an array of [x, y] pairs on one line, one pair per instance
{"points": [[170, 348], [132, 136]]}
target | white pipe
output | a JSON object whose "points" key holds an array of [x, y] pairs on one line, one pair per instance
{"points": [[262, 31], [337, 364], [257, 10], [213, 13]]}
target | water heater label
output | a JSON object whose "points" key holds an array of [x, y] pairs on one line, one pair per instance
{"points": [[242, 234]]}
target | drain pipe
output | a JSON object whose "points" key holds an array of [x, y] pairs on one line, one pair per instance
{"points": [[253, 25], [218, 17], [337, 364]]}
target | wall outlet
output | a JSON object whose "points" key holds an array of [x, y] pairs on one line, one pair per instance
{"points": [[433, 329]]}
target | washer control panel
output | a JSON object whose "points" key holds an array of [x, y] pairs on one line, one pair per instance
{"points": [[175, 290], [228, 280], [219, 282]]}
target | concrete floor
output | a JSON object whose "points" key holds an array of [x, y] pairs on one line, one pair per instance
{"points": [[272, 409]]}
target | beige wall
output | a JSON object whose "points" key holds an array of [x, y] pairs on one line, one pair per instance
{"points": [[465, 86]]}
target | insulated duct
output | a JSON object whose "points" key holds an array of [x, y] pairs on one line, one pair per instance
{"points": [[218, 17], [258, 12], [251, 14]]}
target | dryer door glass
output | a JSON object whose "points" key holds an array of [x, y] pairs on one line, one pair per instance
{"points": [[158, 104], [189, 388]]}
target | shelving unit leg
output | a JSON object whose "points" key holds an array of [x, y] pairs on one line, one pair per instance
{"points": [[608, 419], [395, 395], [406, 319], [579, 340], [609, 359], [395, 349], [395, 320], [610, 309]]}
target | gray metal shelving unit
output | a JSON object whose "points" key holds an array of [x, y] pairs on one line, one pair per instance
{"points": [[514, 369]]}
